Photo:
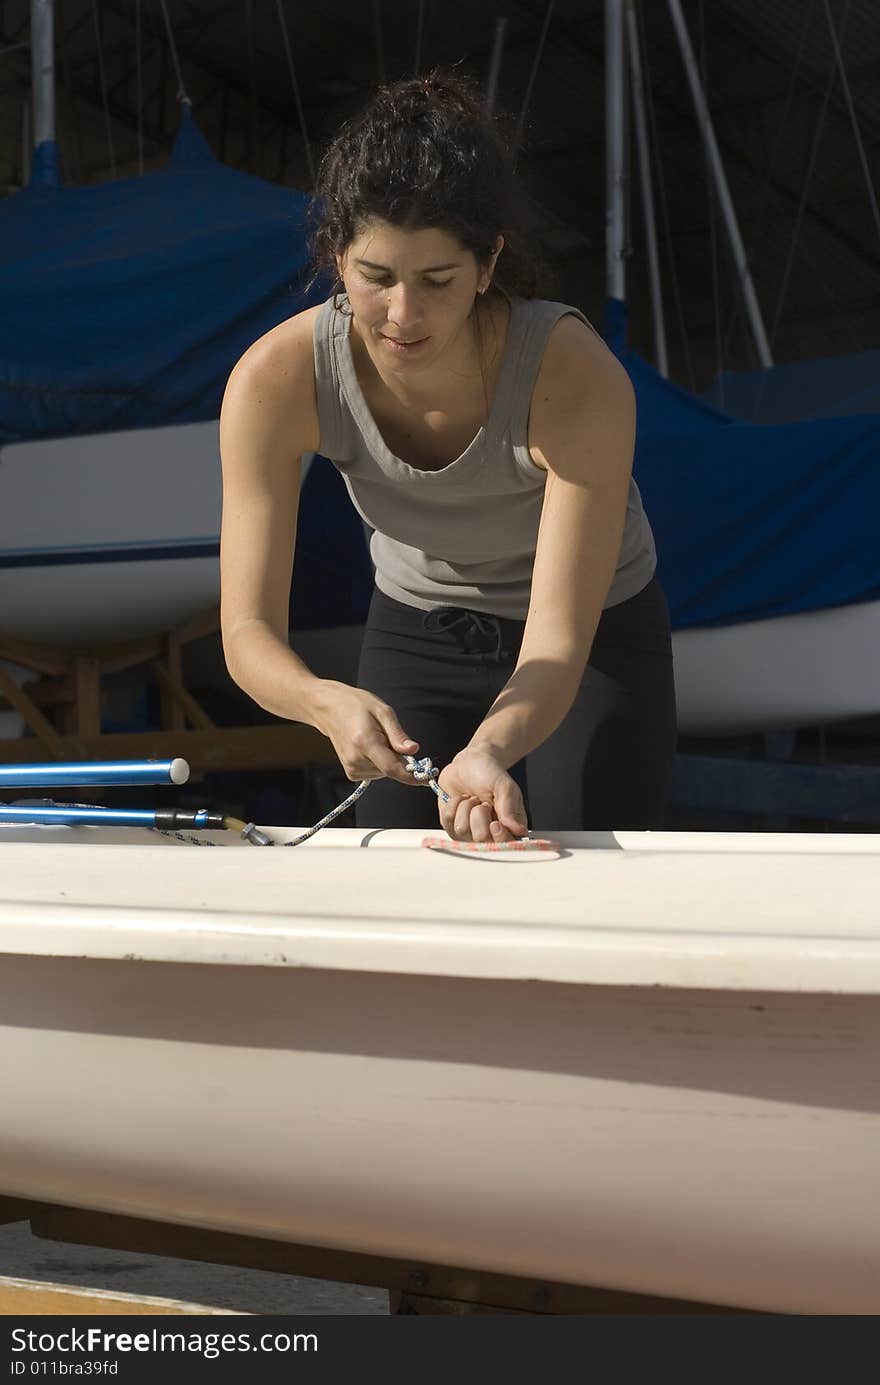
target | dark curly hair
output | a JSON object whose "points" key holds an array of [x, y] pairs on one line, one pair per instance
{"points": [[425, 153]]}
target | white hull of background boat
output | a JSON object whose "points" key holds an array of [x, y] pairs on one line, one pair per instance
{"points": [[650, 1065], [805, 669], [109, 536]]}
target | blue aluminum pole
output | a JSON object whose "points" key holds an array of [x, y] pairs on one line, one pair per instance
{"points": [[71, 815], [105, 773], [68, 815]]}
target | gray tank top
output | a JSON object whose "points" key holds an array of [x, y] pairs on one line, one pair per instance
{"points": [[464, 535]]}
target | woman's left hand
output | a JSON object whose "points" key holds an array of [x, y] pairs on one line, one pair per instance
{"points": [[485, 803]]}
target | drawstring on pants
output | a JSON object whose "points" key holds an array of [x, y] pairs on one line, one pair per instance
{"points": [[480, 633]]}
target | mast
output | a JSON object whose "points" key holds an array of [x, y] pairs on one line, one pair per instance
{"points": [[615, 209], [43, 71], [43, 169]]}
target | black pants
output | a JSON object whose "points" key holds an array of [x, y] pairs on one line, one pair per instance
{"points": [[606, 766]]}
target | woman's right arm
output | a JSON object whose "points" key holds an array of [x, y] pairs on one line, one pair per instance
{"points": [[268, 420]]}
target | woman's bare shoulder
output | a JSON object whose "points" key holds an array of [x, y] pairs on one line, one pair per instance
{"points": [[278, 371], [574, 343], [577, 364]]}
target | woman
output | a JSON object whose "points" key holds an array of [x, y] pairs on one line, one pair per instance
{"points": [[517, 634]]}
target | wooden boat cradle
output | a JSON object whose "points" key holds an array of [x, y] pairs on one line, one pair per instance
{"points": [[70, 684]]}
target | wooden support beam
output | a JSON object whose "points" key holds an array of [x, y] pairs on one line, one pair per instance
{"points": [[72, 686], [169, 671], [49, 740], [87, 696], [415, 1287], [46, 694], [180, 701], [41, 658]]}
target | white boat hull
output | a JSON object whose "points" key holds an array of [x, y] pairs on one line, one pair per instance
{"points": [[806, 669], [109, 536], [650, 1065]]}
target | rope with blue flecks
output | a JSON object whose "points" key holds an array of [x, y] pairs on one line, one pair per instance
{"points": [[421, 770]]}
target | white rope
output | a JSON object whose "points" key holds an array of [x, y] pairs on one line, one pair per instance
{"points": [[423, 771], [334, 813]]}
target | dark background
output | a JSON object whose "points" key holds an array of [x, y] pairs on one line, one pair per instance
{"points": [[782, 115]]}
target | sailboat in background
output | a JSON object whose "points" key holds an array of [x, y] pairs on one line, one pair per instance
{"points": [[125, 306]]}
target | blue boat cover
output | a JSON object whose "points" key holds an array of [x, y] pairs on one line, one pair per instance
{"points": [[825, 387], [754, 520], [125, 304]]}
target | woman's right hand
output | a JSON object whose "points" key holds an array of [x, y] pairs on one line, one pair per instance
{"points": [[366, 735]]}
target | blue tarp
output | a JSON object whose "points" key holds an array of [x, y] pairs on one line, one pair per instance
{"points": [[333, 574], [756, 520], [125, 304], [826, 387]]}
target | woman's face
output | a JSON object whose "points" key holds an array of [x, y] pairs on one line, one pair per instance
{"points": [[411, 292]]}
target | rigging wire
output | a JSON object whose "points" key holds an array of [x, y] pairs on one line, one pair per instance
{"points": [[255, 153], [181, 89], [643, 157], [664, 204], [713, 220], [850, 106], [758, 240], [820, 127], [139, 85], [296, 92], [521, 121], [71, 105], [102, 74]]}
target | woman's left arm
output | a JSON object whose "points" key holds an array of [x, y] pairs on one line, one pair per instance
{"points": [[582, 430]]}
